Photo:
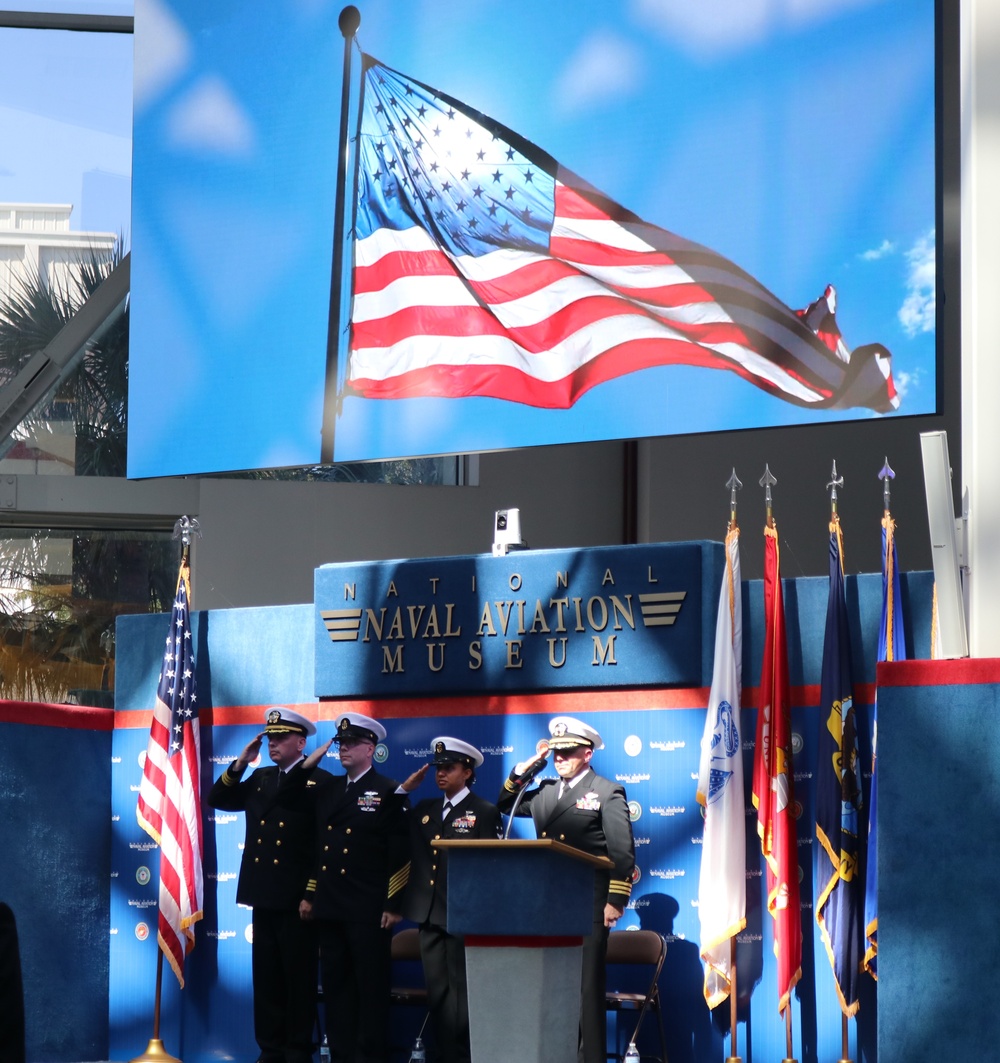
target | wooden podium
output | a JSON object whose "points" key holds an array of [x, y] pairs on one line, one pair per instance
{"points": [[523, 908]]}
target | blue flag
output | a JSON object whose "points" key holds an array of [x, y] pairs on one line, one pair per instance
{"points": [[838, 795], [891, 647]]}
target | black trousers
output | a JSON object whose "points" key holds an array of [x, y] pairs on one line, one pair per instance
{"points": [[443, 957], [593, 1013], [284, 985], [357, 971], [11, 991]]}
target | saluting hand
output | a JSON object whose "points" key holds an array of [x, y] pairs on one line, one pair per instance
{"points": [[410, 784], [316, 756], [250, 753], [527, 765]]}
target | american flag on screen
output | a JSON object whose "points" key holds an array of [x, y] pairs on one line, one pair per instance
{"points": [[169, 807], [483, 267]]}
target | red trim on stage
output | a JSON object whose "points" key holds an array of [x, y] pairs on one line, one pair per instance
{"points": [[969, 671], [544, 703], [42, 714], [498, 941], [640, 699]]}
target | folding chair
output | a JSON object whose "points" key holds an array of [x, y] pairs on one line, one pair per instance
{"points": [[406, 949], [637, 948]]}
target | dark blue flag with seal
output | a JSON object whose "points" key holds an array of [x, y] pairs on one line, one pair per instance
{"points": [[838, 794]]}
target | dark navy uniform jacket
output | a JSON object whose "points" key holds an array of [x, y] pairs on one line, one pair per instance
{"points": [[426, 898], [592, 817], [362, 853], [280, 830]]}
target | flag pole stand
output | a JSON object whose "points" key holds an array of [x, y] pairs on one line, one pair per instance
{"points": [[788, 1031], [155, 1052], [734, 1058], [844, 1049]]}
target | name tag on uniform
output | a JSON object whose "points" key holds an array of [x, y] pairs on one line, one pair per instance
{"points": [[369, 801], [589, 802]]}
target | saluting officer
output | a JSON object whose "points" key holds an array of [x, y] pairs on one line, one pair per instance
{"points": [[279, 802], [458, 813], [355, 892], [589, 813]]}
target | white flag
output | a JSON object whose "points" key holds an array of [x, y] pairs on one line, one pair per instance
{"points": [[722, 885]]}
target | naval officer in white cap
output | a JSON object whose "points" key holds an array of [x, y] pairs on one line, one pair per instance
{"points": [[588, 812], [279, 802], [356, 892], [456, 813]]}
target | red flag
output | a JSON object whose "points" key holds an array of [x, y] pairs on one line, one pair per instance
{"points": [[169, 807], [773, 781]]}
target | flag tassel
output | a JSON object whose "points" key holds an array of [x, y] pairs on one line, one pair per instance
{"points": [[155, 1052]]}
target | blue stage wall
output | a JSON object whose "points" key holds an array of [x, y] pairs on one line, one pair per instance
{"points": [[248, 659], [55, 840], [939, 791]]}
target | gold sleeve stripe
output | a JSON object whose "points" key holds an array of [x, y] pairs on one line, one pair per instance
{"points": [[311, 886], [509, 787], [399, 880], [621, 887], [229, 779]]}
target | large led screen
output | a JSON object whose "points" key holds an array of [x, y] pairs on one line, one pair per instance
{"points": [[564, 222]]}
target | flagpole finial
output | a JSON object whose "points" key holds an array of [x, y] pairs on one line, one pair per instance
{"points": [[184, 528], [350, 19], [767, 481], [886, 475], [835, 482], [734, 484]]}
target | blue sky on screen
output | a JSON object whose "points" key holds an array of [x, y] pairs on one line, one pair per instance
{"points": [[795, 137]]}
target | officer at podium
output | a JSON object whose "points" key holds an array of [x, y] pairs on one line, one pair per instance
{"points": [[457, 813], [590, 813]]}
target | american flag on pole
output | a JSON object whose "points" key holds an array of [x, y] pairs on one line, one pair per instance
{"points": [[774, 781], [169, 807], [891, 647], [722, 885], [838, 794], [484, 268]]}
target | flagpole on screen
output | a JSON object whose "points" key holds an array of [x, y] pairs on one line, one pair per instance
{"points": [[350, 19], [184, 529]]}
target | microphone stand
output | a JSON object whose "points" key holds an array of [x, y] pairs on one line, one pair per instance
{"points": [[524, 781]]}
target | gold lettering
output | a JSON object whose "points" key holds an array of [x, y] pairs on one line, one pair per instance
{"points": [[503, 613], [579, 614], [650, 578], [371, 624], [560, 604], [539, 623], [435, 665], [475, 656], [396, 627], [350, 592], [604, 654], [392, 659], [604, 613], [513, 654], [449, 631], [435, 580], [416, 613], [552, 652], [515, 581], [392, 592], [520, 616], [622, 611], [562, 579], [608, 578], [432, 631], [486, 621]]}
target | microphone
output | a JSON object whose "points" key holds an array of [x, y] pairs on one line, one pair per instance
{"points": [[535, 769]]}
